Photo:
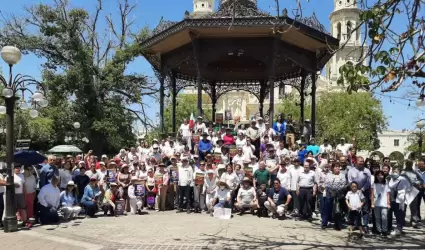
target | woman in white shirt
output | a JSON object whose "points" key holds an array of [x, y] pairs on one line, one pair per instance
{"points": [[209, 189], [30, 187], [380, 197], [69, 203]]}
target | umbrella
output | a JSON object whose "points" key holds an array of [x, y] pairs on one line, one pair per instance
{"points": [[28, 157], [65, 149]]}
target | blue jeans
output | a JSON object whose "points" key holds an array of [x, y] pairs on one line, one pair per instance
{"points": [[90, 207], [366, 208], [223, 204], [321, 201]]}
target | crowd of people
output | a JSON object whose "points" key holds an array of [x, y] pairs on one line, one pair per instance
{"points": [[262, 170]]}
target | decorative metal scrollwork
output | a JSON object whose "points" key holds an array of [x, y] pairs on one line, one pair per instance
{"points": [[314, 23], [250, 87]]}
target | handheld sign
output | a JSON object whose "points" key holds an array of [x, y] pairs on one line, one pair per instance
{"points": [[233, 151], [159, 179], [195, 139], [111, 175], [248, 172], [218, 118], [119, 207], [217, 157], [199, 178], [139, 189], [174, 174]]}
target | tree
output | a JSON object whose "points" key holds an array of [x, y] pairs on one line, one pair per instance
{"points": [[356, 115], [186, 105], [85, 70], [394, 37]]}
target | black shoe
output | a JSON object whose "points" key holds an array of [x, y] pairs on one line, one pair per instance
{"points": [[323, 227], [179, 211]]}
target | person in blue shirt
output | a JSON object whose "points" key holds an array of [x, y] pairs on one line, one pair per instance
{"points": [[278, 200], [205, 147], [48, 171], [302, 152], [314, 148], [280, 127], [91, 197]]}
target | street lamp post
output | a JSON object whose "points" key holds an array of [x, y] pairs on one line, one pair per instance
{"points": [[420, 125], [12, 55]]}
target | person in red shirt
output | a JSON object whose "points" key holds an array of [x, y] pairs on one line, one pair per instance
{"points": [[228, 138]]}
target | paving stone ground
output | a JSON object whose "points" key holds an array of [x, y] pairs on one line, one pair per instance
{"points": [[171, 231]]}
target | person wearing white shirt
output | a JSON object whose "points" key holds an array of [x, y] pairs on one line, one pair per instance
{"points": [[223, 195], [185, 187], [283, 176], [49, 199], [200, 125], [2, 191], [254, 164], [294, 173], [239, 157], [230, 178], [344, 147], [20, 203], [325, 147], [380, 202], [281, 150], [240, 141], [248, 150], [261, 126], [186, 133], [209, 189], [30, 188]]}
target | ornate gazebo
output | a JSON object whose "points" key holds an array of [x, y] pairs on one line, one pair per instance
{"points": [[238, 47]]}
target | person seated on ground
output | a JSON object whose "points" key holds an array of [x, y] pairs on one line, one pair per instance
{"points": [[247, 197], [69, 202], [49, 199], [222, 196], [136, 202], [91, 197], [111, 195], [278, 200]]}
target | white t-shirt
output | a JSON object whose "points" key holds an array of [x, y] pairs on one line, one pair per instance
{"points": [[240, 143], [282, 151], [344, 148], [20, 180], [30, 184], [355, 199], [380, 192], [325, 149], [222, 195], [185, 130]]}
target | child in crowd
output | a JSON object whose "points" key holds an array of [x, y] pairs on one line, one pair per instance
{"points": [[355, 200]]}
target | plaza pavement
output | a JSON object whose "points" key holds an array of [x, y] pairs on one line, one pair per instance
{"points": [[169, 231]]}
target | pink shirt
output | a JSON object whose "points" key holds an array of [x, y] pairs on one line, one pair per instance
{"points": [[228, 139]]}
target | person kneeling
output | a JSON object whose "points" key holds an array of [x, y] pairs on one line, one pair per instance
{"points": [[136, 202], [247, 197], [49, 198], [278, 200], [68, 200], [108, 203], [91, 197], [222, 196]]}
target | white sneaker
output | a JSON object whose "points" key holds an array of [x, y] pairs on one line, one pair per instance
{"points": [[396, 233]]}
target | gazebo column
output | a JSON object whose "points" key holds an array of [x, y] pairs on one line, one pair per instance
{"points": [[161, 101], [313, 104], [302, 99], [174, 102], [195, 45], [213, 100], [272, 75], [262, 97]]}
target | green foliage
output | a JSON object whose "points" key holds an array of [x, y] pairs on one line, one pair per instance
{"points": [[356, 115], [186, 104], [395, 47], [85, 73]]}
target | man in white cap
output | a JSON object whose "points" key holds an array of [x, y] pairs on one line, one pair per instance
{"points": [[254, 134], [155, 153], [344, 147]]}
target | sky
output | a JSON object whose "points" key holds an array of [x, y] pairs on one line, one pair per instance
{"points": [[148, 13]]}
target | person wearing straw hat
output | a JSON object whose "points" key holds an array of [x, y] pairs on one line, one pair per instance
{"points": [[246, 197], [198, 194], [111, 195], [69, 203], [209, 189], [160, 199], [253, 133], [136, 202], [223, 196]]}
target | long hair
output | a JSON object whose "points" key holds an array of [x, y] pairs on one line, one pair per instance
{"points": [[376, 177]]}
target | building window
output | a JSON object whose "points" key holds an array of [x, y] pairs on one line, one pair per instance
{"points": [[349, 27], [396, 142], [338, 31]]}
